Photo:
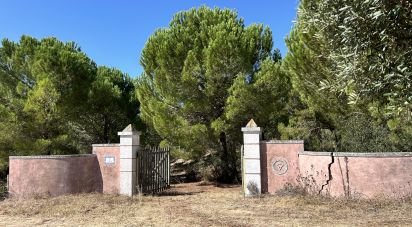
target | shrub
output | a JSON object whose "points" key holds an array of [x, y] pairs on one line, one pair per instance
{"points": [[361, 133], [209, 167], [315, 136], [3, 189], [4, 167], [356, 132]]}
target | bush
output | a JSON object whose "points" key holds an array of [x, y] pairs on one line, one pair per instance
{"points": [[361, 133], [3, 189], [4, 167], [356, 132], [209, 167], [178, 153], [317, 136]]}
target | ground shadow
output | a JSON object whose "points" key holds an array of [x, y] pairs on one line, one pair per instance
{"points": [[219, 185], [176, 193]]}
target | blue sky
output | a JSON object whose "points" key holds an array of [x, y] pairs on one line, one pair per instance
{"points": [[113, 33]]}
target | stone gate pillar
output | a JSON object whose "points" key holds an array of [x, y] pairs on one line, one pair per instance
{"points": [[129, 144], [251, 173]]}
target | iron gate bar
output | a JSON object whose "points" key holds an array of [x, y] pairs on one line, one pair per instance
{"points": [[153, 170]]}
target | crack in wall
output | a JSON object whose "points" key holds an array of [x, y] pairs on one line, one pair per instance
{"points": [[330, 177], [347, 191]]}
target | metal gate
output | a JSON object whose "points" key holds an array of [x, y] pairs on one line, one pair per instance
{"points": [[153, 166]]}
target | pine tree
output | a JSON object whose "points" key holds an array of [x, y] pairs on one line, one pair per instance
{"points": [[190, 69], [54, 100]]}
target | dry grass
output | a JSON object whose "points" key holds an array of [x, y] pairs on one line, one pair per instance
{"points": [[203, 205]]}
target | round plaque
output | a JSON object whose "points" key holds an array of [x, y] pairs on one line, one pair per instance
{"points": [[279, 165]]}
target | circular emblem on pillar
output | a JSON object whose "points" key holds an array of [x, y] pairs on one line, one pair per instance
{"points": [[279, 165]]}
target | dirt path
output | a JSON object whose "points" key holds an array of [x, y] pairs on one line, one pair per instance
{"points": [[197, 204]]}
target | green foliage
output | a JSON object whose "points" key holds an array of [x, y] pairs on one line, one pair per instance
{"points": [[54, 100], [310, 68], [361, 133], [369, 43], [262, 96], [340, 56], [41, 85], [195, 67], [112, 105], [3, 190], [178, 153], [305, 125], [314, 112]]}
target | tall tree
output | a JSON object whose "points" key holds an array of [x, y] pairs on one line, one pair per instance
{"points": [[262, 96], [370, 43], [189, 70], [112, 104], [310, 68], [43, 83], [314, 113], [346, 74], [54, 100]]}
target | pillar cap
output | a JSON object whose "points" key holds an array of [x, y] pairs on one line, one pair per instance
{"points": [[251, 126]]}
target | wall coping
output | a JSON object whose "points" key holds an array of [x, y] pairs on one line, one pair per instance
{"points": [[356, 154], [52, 156], [315, 153], [106, 145], [283, 141]]}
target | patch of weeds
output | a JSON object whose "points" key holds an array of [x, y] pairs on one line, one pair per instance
{"points": [[402, 193], [253, 189], [292, 190], [308, 184]]}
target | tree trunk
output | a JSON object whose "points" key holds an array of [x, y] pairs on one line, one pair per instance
{"points": [[229, 171]]}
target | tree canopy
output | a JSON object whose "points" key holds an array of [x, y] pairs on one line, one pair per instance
{"points": [[196, 69], [111, 105], [349, 63], [55, 100], [42, 82], [370, 47]]}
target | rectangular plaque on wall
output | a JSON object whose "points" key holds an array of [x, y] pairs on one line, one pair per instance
{"points": [[109, 160]]}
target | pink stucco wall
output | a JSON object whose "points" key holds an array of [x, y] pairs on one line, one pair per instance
{"points": [[357, 175], [110, 172], [284, 154], [53, 175], [65, 174], [313, 171], [360, 174]]}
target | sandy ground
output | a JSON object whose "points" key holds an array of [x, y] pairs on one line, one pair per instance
{"points": [[199, 204]]}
